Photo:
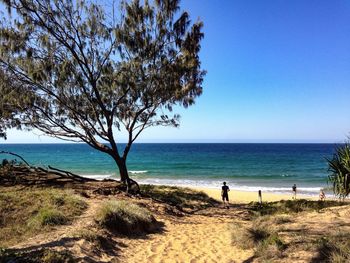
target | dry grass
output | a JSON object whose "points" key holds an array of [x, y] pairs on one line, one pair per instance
{"points": [[265, 241], [334, 248], [27, 212], [125, 218]]}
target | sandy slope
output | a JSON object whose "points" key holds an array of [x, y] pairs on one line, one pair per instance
{"points": [[203, 237]]}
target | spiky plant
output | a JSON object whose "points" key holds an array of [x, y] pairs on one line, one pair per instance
{"points": [[339, 168]]}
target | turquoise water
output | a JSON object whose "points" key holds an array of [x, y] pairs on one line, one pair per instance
{"points": [[269, 167]]}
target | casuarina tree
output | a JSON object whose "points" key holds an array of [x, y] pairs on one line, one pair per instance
{"points": [[94, 72]]}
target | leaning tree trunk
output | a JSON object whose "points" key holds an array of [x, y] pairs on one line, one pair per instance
{"points": [[123, 171], [131, 185]]}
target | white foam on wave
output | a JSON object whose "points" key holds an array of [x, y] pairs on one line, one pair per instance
{"points": [[138, 172], [98, 176], [215, 184]]}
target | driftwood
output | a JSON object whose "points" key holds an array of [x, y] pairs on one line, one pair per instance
{"points": [[14, 154], [14, 173]]}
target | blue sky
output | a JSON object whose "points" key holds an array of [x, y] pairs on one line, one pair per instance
{"points": [[278, 71]]}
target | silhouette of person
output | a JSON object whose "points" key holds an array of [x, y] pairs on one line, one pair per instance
{"points": [[322, 195], [294, 188], [224, 194]]}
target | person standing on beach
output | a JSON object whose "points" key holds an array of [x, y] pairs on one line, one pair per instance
{"points": [[322, 195], [224, 194], [294, 188]]}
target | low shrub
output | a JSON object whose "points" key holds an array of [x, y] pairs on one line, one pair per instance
{"points": [[125, 218]]}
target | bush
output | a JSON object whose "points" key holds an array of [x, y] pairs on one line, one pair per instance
{"points": [[125, 218]]}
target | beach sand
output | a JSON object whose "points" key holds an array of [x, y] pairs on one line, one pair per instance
{"points": [[247, 197]]}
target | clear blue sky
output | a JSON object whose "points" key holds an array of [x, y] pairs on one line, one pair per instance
{"points": [[278, 71]]}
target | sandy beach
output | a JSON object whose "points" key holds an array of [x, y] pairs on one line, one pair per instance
{"points": [[247, 197]]}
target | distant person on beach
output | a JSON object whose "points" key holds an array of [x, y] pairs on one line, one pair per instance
{"points": [[224, 194], [294, 188], [260, 197], [322, 195]]}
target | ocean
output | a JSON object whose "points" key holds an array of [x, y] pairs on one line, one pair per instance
{"points": [[247, 167]]}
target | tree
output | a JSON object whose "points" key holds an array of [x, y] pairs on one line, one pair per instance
{"points": [[95, 74], [339, 166], [13, 100]]}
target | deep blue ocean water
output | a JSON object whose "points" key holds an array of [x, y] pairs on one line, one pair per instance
{"points": [[269, 167]]}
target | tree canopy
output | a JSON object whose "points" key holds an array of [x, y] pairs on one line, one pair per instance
{"points": [[90, 73]]}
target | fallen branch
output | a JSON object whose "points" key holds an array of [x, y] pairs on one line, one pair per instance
{"points": [[14, 154], [69, 174]]}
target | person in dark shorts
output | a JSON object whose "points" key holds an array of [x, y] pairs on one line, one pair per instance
{"points": [[294, 188], [224, 194]]}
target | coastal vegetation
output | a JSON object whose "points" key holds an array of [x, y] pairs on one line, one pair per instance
{"points": [[282, 231], [25, 213], [291, 206], [125, 218], [81, 72], [182, 198], [339, 168]]}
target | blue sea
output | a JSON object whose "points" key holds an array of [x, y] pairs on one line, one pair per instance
{"points": [[249, 167]]}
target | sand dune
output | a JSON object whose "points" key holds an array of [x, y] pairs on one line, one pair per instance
{"points": [[196, 238]]}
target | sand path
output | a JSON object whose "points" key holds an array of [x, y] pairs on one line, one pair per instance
{"points": [[202, 237]]}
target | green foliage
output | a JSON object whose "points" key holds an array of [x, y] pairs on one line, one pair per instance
{"points": [[339, 167], [125, 217], [178, 196], [92, 74], [290, 206]]}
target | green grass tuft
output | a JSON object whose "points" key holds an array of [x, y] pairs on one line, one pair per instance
{"points": [[125, 218], [263, 239], [49, 217], [181, 197]]}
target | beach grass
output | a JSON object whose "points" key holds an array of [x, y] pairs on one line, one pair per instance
{"points": [[125, 218], [181, 197], [27, 212], [261, 237], [334, 248], [291, 206]]}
